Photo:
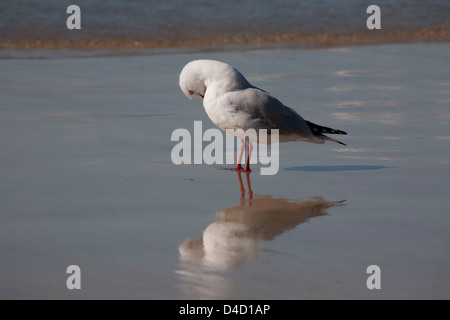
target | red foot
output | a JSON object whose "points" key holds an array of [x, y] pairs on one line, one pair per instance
{"points": [[238, 167]]}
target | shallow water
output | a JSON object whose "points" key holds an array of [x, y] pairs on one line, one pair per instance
{"points": [[87, 179]]}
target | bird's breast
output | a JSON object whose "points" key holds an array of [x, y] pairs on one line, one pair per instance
{"points": [[220, 115]]}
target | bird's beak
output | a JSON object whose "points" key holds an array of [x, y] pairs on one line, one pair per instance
{"points": [[201, 96]]}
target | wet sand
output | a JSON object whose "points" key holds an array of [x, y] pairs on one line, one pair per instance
{"points": [[87, 179]]}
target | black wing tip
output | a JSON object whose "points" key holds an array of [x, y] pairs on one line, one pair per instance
{"points": [[335, 131], [331, 130], [317, 129]]}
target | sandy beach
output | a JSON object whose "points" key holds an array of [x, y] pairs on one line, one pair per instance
{"points": [[87, 179]]}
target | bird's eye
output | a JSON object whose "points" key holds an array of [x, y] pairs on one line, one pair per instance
{"points": [[191, 92]]}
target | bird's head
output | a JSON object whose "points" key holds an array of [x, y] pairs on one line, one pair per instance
{"points": [[199, 75], [192, 80]]}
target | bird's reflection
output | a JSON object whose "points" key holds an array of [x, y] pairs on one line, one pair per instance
{"points": [[238, 234]]}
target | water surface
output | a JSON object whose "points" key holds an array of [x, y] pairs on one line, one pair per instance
{"points": [[86, 179]]}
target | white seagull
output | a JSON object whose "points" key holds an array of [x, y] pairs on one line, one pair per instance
{"points": [[231, 102]]}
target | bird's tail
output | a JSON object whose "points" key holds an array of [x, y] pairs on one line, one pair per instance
{"points": [[319, 131]]}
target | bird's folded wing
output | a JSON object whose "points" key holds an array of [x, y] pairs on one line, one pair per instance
{"points": [[254, 108]]}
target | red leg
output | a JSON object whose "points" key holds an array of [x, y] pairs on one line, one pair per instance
{"points": [[249, 153], [239, 167]]}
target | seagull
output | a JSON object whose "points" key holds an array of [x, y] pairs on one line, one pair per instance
{"points": [[231, 102]]}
